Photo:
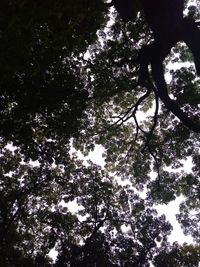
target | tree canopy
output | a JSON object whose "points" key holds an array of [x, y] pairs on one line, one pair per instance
{"points": [[69, 83]]}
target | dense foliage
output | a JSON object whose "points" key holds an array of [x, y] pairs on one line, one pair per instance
{"points": [[69, 83]]}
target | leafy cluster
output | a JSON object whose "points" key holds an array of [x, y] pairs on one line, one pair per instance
{"points": [[69, 82]]}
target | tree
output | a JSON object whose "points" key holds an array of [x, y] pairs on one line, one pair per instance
{"points": [[42, 85], [187, 255], [70, 80], [169, 26]]}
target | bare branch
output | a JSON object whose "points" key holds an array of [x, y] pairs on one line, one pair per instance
{"points": [[155, 119]]}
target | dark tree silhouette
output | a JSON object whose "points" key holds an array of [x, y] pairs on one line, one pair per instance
{"points": [[169, 26]]}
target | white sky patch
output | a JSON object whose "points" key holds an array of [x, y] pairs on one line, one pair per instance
{"points": [[96, 156], [170, 210], [53, 254]]}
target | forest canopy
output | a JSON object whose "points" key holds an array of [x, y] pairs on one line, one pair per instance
{"points": [[69, 84]]}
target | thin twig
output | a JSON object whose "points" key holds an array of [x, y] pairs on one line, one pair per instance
{"points": [[155, 118], [157, 165]]}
